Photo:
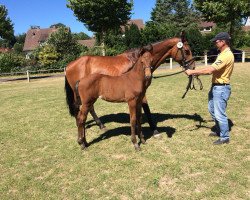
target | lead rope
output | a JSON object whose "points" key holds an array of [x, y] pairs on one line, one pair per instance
{"points": [[191, 78]]}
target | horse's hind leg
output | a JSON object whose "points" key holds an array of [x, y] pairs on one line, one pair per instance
{"points": [[80, 121], [96, 118], [151, 122]]}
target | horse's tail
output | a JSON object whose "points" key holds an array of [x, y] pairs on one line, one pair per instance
{"points": [[70, 98]]}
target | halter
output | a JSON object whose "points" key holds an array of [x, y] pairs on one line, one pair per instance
{"points": [[186, 65]]}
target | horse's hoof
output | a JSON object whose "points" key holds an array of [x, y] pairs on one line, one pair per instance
{"points": [[157, 135], [143, 141], [84, 147], [137, 147], [102, 126], [79, 141]]}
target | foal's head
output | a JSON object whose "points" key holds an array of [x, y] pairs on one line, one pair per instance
{"points": [[146, 59]]}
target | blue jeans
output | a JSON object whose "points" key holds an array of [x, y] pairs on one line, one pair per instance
{"points": [[217, 104]]}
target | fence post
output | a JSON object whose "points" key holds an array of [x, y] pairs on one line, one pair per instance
{"points": [[205, 54], [171, 63], [28, 76], [243, 56]]}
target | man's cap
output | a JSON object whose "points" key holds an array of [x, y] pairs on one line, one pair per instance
{"points": [[221, 36]]}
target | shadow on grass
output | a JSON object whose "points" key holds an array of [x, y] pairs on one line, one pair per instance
{"points": [[214, 128], [123, 118]]}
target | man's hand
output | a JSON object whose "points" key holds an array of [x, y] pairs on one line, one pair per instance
{"points": [[188, 72]]}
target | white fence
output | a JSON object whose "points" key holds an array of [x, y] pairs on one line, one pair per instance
{"points": [[200, 60], [29, 74], [204, 60]]}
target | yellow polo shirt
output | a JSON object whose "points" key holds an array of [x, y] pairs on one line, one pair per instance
{"points": [[224, 67]]}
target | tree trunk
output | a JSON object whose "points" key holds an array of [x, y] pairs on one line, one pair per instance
{"points": [[102, 43]]}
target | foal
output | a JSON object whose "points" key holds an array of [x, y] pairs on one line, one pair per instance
{"points": [[129, 87]]}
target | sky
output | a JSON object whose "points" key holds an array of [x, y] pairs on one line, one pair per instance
{"points": [[44, 13]]}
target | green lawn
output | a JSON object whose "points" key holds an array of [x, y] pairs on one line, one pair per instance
{"points": [[40, 158]]}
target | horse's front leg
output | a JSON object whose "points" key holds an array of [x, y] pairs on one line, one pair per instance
{"points": [[138, 123], [80, 121], [151, 122], [132, 111], [96, 118]]}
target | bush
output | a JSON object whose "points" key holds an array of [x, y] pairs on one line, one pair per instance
{"points": [[11, 62]]}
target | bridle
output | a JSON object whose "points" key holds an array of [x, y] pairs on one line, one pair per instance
{"points": [[186, 65]]}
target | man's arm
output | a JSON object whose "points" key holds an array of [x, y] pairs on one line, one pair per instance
{"points": [[204, 71]]}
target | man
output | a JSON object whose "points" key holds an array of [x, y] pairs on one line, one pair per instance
{"points": [[220, 91]]}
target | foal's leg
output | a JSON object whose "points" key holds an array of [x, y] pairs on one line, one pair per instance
{"points": [[97, 120], [147, 112], [81, 119], [132, 111], [138, 123]]}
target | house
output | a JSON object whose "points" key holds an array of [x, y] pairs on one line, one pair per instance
{"points": [[35, 37], [138, 22], [206, 27], [247, 25], [4, 50], [90, 43]]}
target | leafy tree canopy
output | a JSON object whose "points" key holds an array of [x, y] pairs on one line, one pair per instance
{"points": [[6, 26], [64, 42], [81, 36], [224, 12], [101, 15], [58, 25], [179, 13]]}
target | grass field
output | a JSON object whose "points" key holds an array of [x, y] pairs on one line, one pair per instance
{"points": [[40, 158]]}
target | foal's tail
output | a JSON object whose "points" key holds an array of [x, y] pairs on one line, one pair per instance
{"points": [[70, 98]]}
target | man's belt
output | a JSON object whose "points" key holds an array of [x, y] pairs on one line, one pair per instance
{"points": [[220, 84]]}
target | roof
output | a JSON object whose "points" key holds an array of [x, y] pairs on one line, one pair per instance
{"points": [[205, 24], [36, 36], [4, 50], [88, 43], [248, 22], [246, 28], [138, 22]]}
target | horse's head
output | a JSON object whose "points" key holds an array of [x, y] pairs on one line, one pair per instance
{"points": [[146, 59], [181, 52]]}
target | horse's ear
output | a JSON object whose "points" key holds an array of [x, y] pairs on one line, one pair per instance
{"points": [[146, 48], [183, 37]]}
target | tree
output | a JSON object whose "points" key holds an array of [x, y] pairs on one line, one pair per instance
{"points": [[178, 13], [196, 41], [133, 38], [100, 16], [224, 12], [6, 26], [10, 62], [114, 42], [81, 36], [64, 42], [48, 55], [154, 32], [58, 25]]}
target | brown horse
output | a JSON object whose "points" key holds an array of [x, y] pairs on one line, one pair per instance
{"points": [[117, 65], [129, 87]]}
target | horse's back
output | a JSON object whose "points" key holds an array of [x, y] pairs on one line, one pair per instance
{"points": [[86, 65]]}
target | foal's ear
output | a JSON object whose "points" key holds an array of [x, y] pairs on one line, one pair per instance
{"points": [[183, 36], [146, 48]]}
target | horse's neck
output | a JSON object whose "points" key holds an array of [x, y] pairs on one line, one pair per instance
{"points": [[162, 50]]}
